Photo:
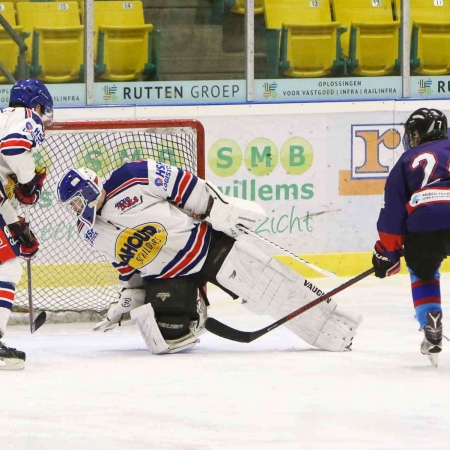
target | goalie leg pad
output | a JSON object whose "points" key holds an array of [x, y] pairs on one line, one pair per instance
{"points": [[145, 318], [174, 301], [338, 331], [272, 288], [150, 332]]}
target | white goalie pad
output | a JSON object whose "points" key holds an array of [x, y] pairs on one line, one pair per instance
{"points": [[227, 212], [150, 332], [272, 288]]}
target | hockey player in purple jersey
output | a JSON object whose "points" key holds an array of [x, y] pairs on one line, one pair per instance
{"points": [[415, 220], [168, 233]]}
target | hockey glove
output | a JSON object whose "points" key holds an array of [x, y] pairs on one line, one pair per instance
{"points": [[29, 193], [128, 300], [28, 244], [383, 266]]}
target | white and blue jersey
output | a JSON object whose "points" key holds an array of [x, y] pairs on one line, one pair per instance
{"points": [[146, 224], [21, 132]]}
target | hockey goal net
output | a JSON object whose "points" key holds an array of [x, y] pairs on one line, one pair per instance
{"points": [[66, 274]]}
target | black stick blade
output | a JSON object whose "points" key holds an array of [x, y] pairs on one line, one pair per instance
{"points": [[40, 320], [226, 332]]}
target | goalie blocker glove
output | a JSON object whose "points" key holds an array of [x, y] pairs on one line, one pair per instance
{"points": [[29, 193], [225, 212], [383, 266]]}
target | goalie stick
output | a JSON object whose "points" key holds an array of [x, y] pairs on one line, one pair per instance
{"points": [[325, 272], [226, 332], [42, 317]]}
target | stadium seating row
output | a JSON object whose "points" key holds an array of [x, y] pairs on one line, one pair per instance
{"points": [[316, 38], [126, 48], [304, 38]]}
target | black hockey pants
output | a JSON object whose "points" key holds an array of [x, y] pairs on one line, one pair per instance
{"points": [[424, 252]]}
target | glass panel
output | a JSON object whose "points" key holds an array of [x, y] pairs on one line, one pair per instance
{"points": [[193, 51], [169, 52], [320, 50], [43, 40], [430, 48]]}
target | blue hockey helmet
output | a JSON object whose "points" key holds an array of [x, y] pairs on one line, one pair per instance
{"points": [[424, 125], [78, 191], [30, 93]]}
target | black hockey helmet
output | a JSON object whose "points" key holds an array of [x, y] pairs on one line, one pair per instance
{"points": [[424, 125]]}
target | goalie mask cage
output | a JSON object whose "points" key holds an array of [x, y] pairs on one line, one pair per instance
{"points": [[67, 275]]}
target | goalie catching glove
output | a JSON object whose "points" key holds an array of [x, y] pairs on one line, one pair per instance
{"points": [[28, 244], [29, 193], [225, 212], [129, 299]]}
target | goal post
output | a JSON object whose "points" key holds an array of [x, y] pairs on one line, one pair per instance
{"points": [[66, 274]]}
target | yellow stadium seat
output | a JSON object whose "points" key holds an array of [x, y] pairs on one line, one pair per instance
{"points": [[309, 44], [57, 39], [430, 40], [9, 51], [238, 6], [371, 44], [122, 40]]}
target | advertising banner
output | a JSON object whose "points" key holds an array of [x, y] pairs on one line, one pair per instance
{"points": [[430, 87], [308, 89], [319, 177]]}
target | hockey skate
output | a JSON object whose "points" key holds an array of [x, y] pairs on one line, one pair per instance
{"points": [[10, 358], [432, 342]]}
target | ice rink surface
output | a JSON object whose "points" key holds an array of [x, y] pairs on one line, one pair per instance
{"points": [[85, 390]]}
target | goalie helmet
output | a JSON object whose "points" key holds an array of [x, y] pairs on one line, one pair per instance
{"points": [[424, 125], [78, 191], [30, 93]]}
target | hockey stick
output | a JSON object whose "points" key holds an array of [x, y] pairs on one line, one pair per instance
{"points": [[226, 332], [42, 317], [325, 272]]}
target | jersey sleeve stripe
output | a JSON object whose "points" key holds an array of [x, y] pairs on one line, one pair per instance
{"points": [[5, 304], [191, 255], [125, 186], [7, 293], [15, 144], [188, 191], [125, 272], [183, 187]]}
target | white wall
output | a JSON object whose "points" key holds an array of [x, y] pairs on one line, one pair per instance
{"points": [[335, 155]]}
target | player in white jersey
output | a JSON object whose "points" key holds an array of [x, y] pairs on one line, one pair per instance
{"points": [[168, 233], [21, 132]]}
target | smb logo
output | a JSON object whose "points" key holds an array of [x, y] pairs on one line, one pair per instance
{"points": [[374, 151], [110, 93]]}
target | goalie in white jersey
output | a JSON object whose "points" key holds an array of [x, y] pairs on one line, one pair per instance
{"points": [[168, 233], [21, 132]]}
